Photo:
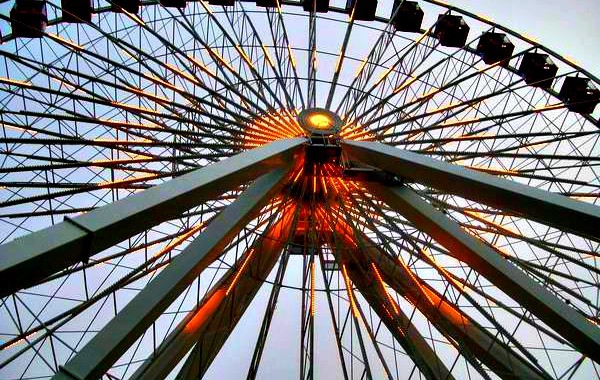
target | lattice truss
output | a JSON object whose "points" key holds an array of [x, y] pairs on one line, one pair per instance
{"points": [[475, 257]]}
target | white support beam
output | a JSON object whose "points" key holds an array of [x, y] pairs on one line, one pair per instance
{"points": [[29, 259], [544, 207], [565, 320], [99, 354]]}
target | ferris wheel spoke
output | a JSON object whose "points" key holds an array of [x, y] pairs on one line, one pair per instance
{"points": [[370, 62], [327, 281], [431, 90], [340, 59], [368, 280], [254, 40], [359, 149], [283, 51], [202, 184], [239, 41], [460, 285], [95, 98], [268, 317], [191, 76], [225, 67], [147, 305], [585, 339], [212, 322], [402, 74]]}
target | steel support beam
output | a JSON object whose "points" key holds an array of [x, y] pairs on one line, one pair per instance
{"points": [[29, 259], [547, 208], [366, 280], [114, 339], [565, 320], [448, 318], [398, 323], [209, 326]]}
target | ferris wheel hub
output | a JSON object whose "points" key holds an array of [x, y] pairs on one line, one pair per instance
{"points": [[320, 122]]}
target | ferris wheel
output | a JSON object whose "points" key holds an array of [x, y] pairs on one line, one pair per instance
{"points": [[305, 188]]}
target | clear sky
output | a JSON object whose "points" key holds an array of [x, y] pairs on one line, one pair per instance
{"points": [[571, 28]]}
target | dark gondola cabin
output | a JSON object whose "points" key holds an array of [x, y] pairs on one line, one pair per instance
{"points": [[537, 70], [28, 18], [451, 30], [76, 10]]}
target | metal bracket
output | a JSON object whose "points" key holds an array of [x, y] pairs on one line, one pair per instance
{"points": [[89, 239]]}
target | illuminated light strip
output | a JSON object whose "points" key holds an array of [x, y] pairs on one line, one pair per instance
{"points": [[492, 170], [434, 262], [178, 241], [444, 108], [291, 55], [202, 66], [459, 122], [349, 291], [206, 7], [314, 179], [384, 75], [338, 63], [116, 162], [163, 82], [244, 56], [65, 41], [67, 85], [387, 294], [298, 175], [274, 125], [127, 54], [147, 95], [205, 311], [361, 67], [116, 141], [479, 217], [268, 56], [324, 185], [125, 124], [20, 341], [549, 107], [183, 74], [240, 271], [221, 59], [15, 82], [312, 289], [20, 129], [405, 85]]}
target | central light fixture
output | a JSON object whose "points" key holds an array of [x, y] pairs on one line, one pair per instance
{"points": [[319, 121]]}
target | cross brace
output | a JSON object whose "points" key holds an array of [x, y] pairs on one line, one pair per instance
{"points": [[542, 206], [29, 259]]}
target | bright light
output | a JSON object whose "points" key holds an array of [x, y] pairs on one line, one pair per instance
{"points": [[320, 121]]}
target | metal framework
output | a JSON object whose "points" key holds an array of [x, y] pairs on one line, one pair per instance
{"points": [[163, 207]]}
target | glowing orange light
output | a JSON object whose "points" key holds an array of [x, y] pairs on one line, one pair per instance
{"points": [[349, 291], [206, 311], [320, 121], [389, 297], [239, 272]]}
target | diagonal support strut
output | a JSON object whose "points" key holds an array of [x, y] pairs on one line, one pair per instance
{"points": [[542, 206], [98, 355], [29, 259], [565, 320]]}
